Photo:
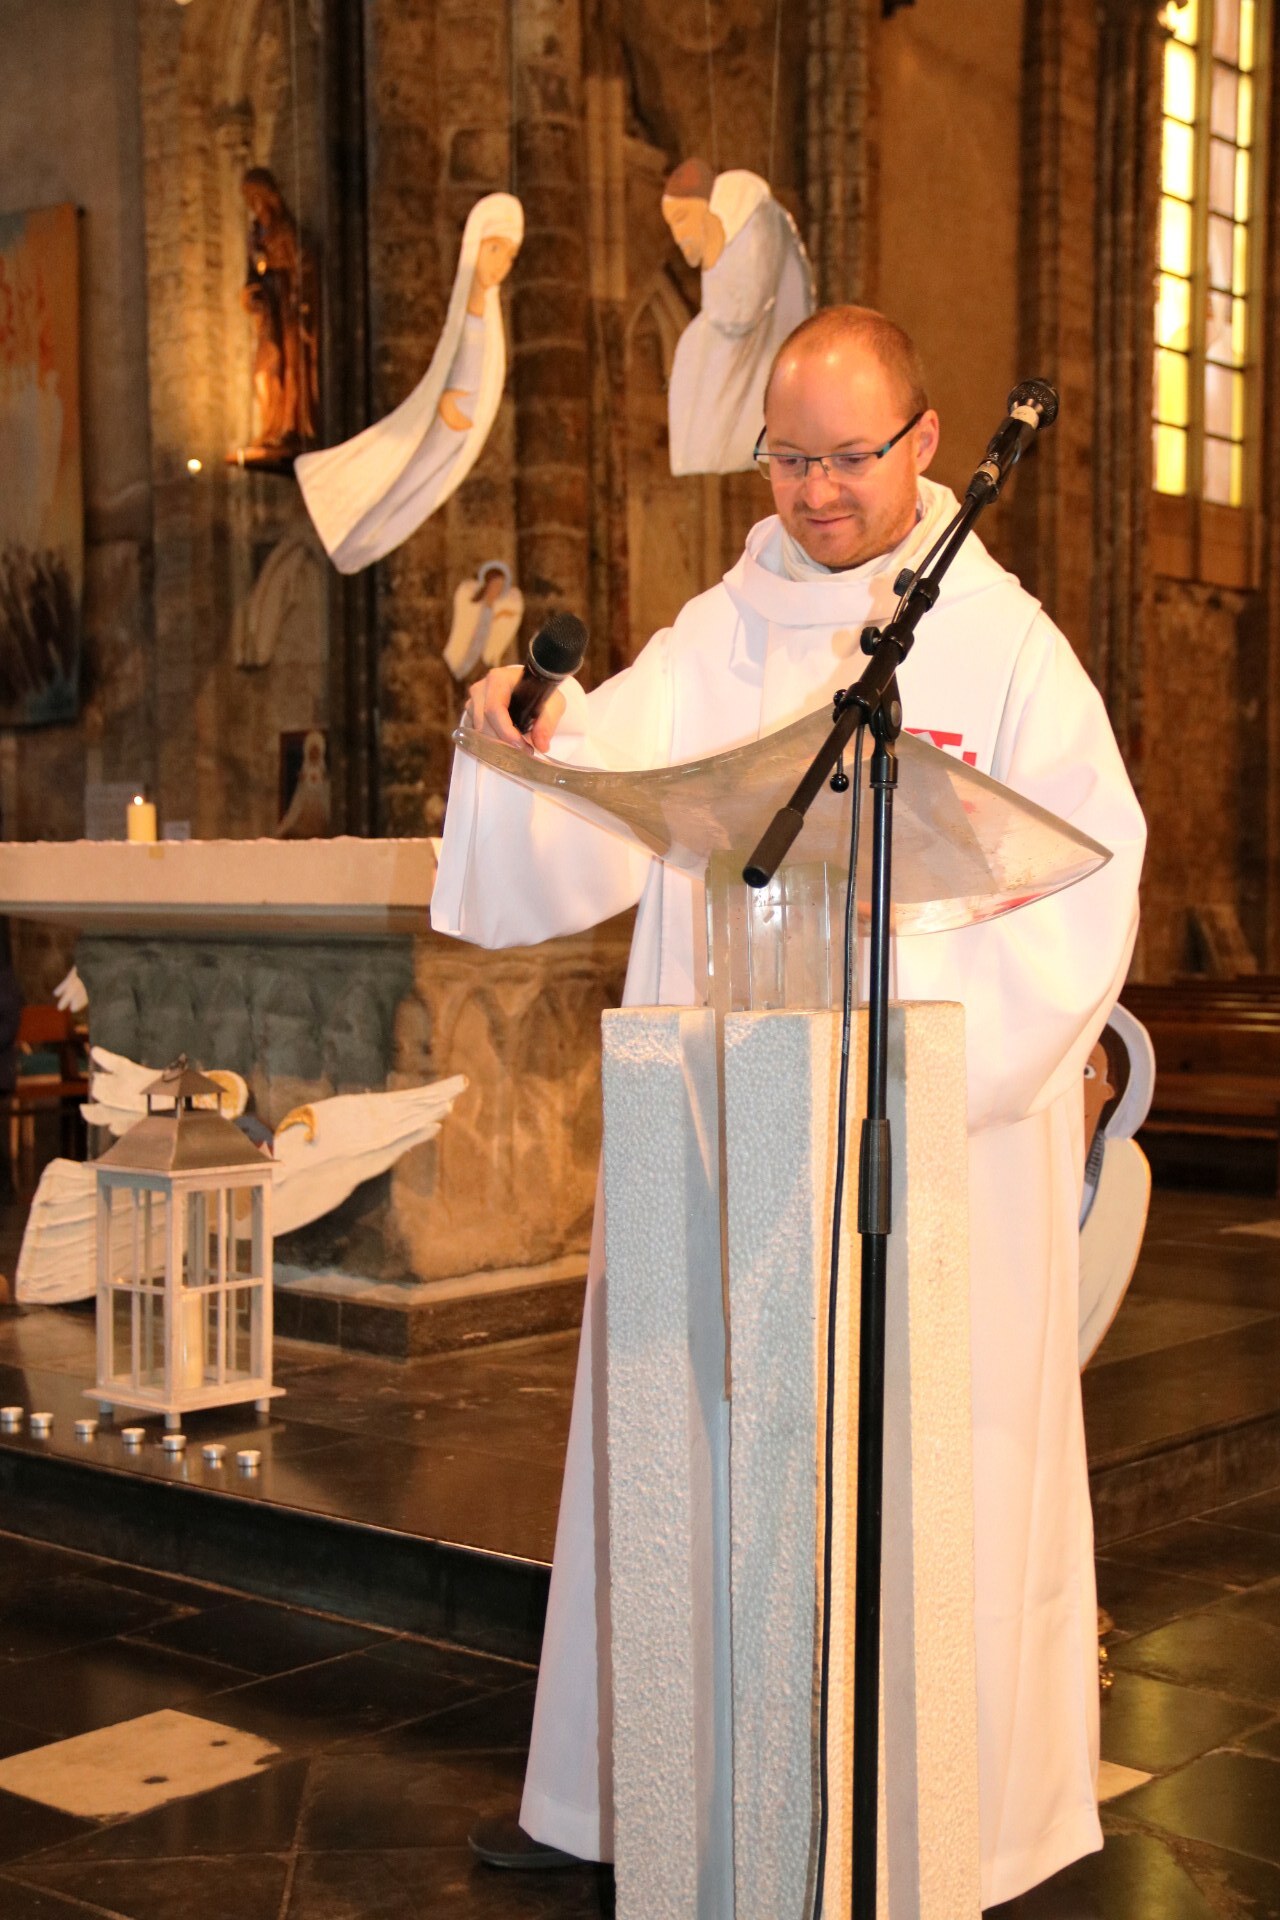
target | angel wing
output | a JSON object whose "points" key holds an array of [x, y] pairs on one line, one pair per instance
{"points": [[58, 1256], [324, 1151], [118, 1091]]}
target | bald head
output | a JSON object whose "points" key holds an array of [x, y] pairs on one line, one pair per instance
{"points": [[861, 329], [848, 382]]}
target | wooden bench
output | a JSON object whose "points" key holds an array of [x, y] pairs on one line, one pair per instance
{"points": [[1217, 1046]]}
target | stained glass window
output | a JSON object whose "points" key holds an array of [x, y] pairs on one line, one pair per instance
{"points": [[1204, 316]]}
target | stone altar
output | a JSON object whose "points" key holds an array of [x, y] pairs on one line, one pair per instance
{"points": [[311, 968]]}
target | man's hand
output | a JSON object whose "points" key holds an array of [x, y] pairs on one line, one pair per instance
{"points": [[488, 709]]}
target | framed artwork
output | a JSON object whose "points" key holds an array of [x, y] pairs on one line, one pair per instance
{"points": [[41, 497]]}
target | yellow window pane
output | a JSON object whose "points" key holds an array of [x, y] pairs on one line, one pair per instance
{"points": [[1224, 104], [1217, 328], [1239, 331], [1237, 476], [1237, 406], [1241, 196], [1179, 82], [1217, 471], [1175, 237], [1244, 112], [1173, 313], [1248, 28], [1240, 261], [1221, 241], [1178, 167], [1172, 370], [1226, 29], [1222, 177], [1181, 20], [1170, 459]]}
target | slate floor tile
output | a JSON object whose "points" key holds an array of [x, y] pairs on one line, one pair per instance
{"points": [[406, 1884], [248, 1887], [1234, 1656], [380, 1801], [1228, 1800], [435, 1660], [1261, 1514], [19, 1902], [259, 1637], [1135, 1877], [1264, 1739], [1202, 1550], [1153, 1726], [315, 1706], [27, 1828], [492, 1724], [95, 1686], [67, 1611], [1139, 1598]]}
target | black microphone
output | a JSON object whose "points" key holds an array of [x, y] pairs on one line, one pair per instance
{"points": [[554, 653], [1033, 405]]}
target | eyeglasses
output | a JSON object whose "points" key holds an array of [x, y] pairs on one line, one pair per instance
{"points": [[836, 466]]}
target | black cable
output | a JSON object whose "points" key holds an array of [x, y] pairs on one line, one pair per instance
{"points": [[837, 1211]]}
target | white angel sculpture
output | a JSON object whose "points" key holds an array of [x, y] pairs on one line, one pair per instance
{"points": [[1120, 1078], [487, 611], [757, 286], [321, 1154], [370, 493]]}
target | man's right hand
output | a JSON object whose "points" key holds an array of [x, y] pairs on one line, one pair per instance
{"points": [[489, 704]]}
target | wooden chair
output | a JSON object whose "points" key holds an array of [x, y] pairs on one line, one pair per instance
{"points": [[45, 1029]]}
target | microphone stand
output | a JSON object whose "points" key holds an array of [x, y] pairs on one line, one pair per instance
{"points": [[873, 700]]}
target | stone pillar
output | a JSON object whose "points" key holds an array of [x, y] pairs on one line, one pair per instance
{"points": [[842, 189], [550, 310]]}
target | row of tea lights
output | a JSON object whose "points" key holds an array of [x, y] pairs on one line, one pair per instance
{"points": [[214, 1454]]}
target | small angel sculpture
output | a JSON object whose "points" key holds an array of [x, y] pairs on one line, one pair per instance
{"points": [[487, 611]]}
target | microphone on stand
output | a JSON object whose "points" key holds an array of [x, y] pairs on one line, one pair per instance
{"points": [[1033, 406], [555, 653]]}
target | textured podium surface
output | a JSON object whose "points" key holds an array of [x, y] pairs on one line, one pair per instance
{"points": [[680, 1744]]}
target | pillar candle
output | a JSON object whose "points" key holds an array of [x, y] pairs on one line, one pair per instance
{"points": [[140, 818]]}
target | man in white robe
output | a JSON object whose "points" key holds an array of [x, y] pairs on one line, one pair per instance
{"points": [[992, 680]]}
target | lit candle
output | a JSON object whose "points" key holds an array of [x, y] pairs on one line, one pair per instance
{"points": [[140, 818]]}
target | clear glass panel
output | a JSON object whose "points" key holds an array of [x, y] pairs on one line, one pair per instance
{"points": [[1217, 471], [1217, 333], [1222, 177], [775, 946], [1241, 207], [1222, 103], [1240, 260], [1244, 114], [1239, 331], [1248, 30], [1180, 82], [1173, 313], [1220, 244], [1175, 237], [1226, 29], [1172, 387], [1177, 172], [1170, 459], [1217, 400]]}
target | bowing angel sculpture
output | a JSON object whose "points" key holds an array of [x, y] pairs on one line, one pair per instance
{"points": [[322, 1153], [757, 285], [370, 493]]}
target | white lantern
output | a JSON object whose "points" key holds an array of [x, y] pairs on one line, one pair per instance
{"points": [[184, 1259]]}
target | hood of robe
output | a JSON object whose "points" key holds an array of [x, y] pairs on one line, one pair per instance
{"points": [[735, 197], [758, 583]]}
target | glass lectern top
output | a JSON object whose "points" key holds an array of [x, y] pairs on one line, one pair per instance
{"points": [[965, 847]]}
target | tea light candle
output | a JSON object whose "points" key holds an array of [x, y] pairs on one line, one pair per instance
{"points": [[140, 818]]}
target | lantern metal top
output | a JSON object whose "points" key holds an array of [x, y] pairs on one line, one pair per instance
{"points": [[183, 1138]]}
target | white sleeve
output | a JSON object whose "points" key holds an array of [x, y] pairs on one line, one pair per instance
{"points": [[1037, 984], [516, 867]]}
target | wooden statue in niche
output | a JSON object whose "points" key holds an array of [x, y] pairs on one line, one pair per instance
{"points": [[369, 494], [757, 286], [279, 297]]}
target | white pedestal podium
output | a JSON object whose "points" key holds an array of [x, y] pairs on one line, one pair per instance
{"points": [[714, 1508]]}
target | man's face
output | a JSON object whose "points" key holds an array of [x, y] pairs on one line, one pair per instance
{"points": [[839, 399], [696, 230]]}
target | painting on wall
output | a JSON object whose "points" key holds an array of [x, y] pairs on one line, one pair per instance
{"points": [[41, 497]]}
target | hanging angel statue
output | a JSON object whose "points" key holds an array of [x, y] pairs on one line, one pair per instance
{"points": [[369, 494], [487, 611], [757, 286]]}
